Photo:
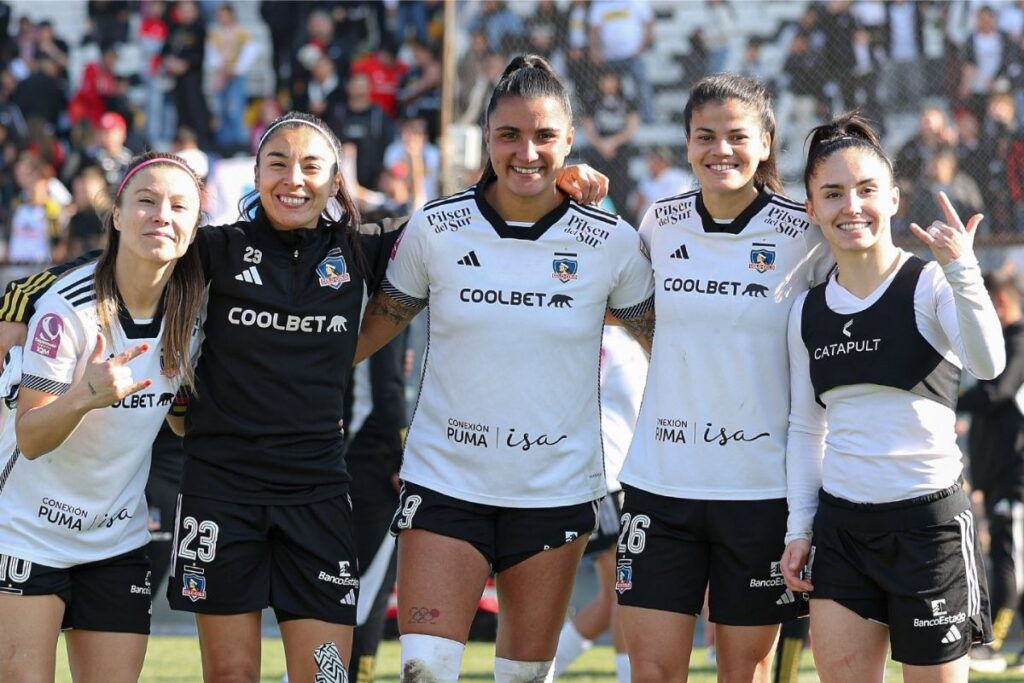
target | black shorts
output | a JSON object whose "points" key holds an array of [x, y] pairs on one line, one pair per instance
{"points": [[504, 536], [607, 532], [671, 549], [913, 565], [232, 558], [112, 595]]}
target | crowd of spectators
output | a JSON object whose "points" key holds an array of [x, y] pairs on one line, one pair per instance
{"points": [[958, 67], [372, 70], [963, 59]]}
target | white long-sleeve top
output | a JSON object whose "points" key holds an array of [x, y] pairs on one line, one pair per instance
{"points": [[877, 444]]}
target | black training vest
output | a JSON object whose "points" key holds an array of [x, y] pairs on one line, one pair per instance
{"points": [[879, 345]]}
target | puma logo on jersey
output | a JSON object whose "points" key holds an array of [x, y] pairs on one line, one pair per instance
{"points": [[250, 275], [560, 301]]}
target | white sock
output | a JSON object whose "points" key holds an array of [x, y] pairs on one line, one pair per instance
{"points": [[509, 671], [622, 667], [430, 658], [571, 644]]}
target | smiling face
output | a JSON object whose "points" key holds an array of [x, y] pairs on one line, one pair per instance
{"points": [[528, 140], [157, 214], [296, 176], [726, 145], [853, 199]]}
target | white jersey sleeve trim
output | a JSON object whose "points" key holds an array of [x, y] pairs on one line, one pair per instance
{"points": [[407, 271]]}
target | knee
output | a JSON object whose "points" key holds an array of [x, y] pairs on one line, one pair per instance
{"points": [[743, 672], [231, 670], [644, 670]]}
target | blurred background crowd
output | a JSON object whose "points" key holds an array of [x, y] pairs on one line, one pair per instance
{"points": [[83, 86]]}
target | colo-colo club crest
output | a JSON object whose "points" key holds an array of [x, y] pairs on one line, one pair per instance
{"points": [[564, 266], [333, 271], [762, 257]]}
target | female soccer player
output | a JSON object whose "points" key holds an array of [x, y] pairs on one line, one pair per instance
{"points": [[503, 466], [111, 343], [263, 519], [875, 357], [705, 480]]}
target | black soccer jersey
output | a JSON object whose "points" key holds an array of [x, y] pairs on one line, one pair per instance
{"points": [[281, 327]]}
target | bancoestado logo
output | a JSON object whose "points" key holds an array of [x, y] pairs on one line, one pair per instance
{"points": [[941, 620], [247, 317]]}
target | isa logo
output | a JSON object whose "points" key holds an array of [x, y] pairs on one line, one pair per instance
{"points": [[193, 584], [564, 267], [624, 576], [46, 340], [333, 271]]}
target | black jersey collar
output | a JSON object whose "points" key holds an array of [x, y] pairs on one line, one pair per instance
{"points": [[738, 223], [134, 330], [290, 240], [503, 229]]}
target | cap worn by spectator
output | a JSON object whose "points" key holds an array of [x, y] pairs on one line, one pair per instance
{"points": [[112, 120]]}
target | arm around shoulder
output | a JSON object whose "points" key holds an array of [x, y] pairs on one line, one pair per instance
{"points": [[385, 317]]}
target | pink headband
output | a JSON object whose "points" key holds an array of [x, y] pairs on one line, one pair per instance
{"points": [[150, 162]]}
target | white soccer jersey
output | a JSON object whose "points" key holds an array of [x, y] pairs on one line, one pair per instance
{"points": [[508, 410], [85, 500], [623, 374], [715, 412]]}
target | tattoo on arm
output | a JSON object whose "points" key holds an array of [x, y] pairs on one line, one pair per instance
{"points": [[395, 312], [92, 389], [642, 329]]}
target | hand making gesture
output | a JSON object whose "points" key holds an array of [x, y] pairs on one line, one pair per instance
{"points": [[948, 240]]}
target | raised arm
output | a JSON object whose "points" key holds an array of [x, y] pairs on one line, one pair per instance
{"points": [[964, 309]]}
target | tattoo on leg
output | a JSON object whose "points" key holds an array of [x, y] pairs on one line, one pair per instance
{"points": [[423, 615]]}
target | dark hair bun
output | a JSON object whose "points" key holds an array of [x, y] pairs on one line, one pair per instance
{"points": [[848, 125]]}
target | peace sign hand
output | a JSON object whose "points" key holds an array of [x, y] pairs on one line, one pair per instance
{"points": [[950, 240], [104, 383]]}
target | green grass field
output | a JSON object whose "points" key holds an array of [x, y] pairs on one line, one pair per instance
{"points": [[176, 659]]}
